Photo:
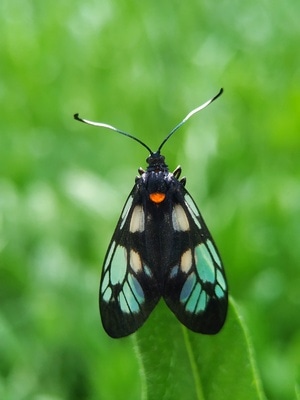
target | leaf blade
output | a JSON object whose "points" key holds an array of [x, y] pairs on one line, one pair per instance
{"points": [[181, 364]]}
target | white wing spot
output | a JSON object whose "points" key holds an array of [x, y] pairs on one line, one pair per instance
{"points": [[137, 223], [135, 261], [179, 219], [186, 261]]}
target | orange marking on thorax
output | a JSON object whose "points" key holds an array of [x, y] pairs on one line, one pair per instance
{"points": [[157, 197]]}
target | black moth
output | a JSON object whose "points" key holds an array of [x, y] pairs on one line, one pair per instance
{"points": [[161, 247]]}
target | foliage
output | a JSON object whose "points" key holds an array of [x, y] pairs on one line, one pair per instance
{"points": [[192, 366], [142, 66]]}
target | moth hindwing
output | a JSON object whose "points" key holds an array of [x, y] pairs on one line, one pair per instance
{"points": [[161, 248]]}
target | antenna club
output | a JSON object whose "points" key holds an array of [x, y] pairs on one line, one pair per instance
{"points": [[76, 116]]}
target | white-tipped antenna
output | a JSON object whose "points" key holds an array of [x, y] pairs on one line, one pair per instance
{"points": [[102, 125], [190, 114]]}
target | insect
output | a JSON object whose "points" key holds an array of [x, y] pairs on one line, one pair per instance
{"points": [[161, 248]]}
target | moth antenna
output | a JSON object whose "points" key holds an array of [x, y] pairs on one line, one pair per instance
{"points": [[112, 128], [190, 114]]}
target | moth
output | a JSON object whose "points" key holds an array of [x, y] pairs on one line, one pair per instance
{"points": [[161, 248]]}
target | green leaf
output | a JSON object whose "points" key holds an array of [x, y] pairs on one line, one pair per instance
{"points": [[179, 364]]}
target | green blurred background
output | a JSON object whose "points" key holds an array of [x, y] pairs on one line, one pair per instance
{"points": [[141, 66]]}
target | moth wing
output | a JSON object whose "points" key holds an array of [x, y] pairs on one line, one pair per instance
{"points": [[128, 289], [195, 285]]}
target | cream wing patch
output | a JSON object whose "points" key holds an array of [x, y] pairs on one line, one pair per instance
{"points": [[137, 222], [179, 219]]}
